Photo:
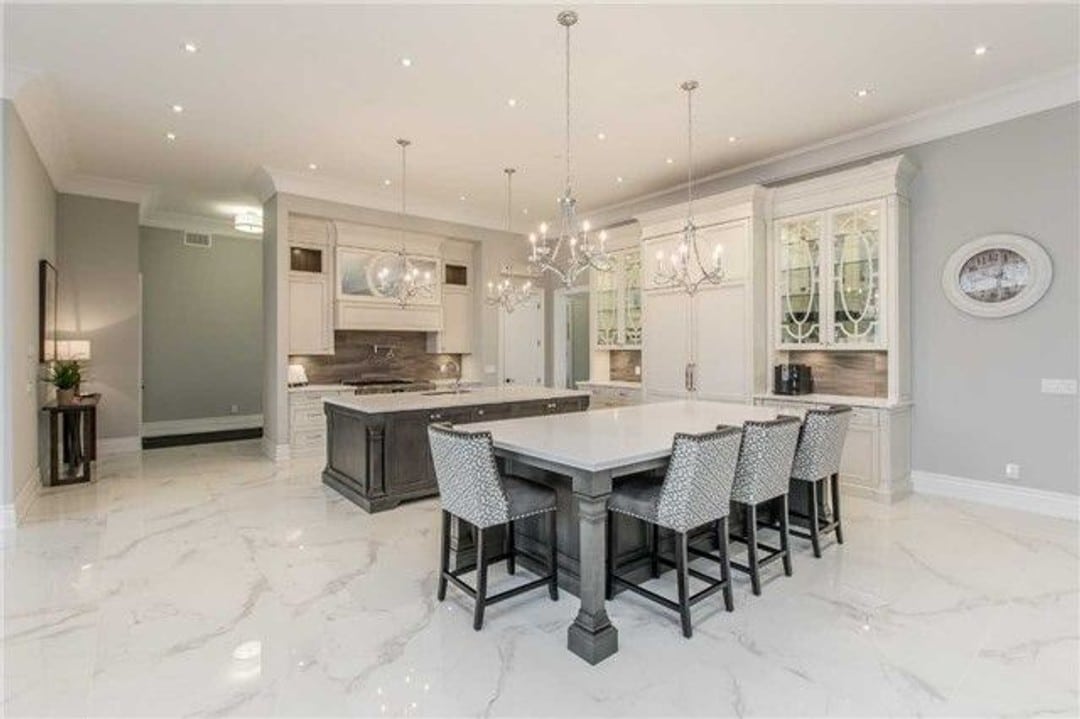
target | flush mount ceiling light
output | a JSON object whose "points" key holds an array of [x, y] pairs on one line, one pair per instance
{"points": [[685, 269], [505, 292], [249, 222], [574, 250]]}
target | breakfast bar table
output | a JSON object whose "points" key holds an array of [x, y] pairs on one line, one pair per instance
{"points": [[592, 450]]}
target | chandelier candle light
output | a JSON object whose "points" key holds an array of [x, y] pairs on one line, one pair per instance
{"points": [[685, 269], [574, 250], [503, 292], [406, 281]]}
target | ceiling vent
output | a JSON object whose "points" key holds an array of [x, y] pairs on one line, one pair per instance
{"points": [[198, 239]]}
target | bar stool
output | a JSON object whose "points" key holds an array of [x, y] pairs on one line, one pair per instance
{"points": [[817, 458], [761, 476], [472, 489], [695, 490]]}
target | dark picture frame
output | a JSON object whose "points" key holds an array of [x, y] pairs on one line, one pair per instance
{"points": [[47, 289]]}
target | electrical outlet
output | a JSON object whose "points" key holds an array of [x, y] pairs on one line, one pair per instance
{"points": [[637, 370], [1012, 470], [234, 409], [1059, 386]]}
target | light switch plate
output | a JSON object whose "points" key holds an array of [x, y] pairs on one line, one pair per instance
{"points": [[1059, 386]]}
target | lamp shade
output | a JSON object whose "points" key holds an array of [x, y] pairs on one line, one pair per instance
{"points": [[73, 349]]}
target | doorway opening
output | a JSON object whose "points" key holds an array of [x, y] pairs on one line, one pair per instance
{"points": [[572, 350]]}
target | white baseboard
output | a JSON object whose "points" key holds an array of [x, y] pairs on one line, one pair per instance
{"points": [[165, 428], [1038, 501], [276, 452], [118, 445]]}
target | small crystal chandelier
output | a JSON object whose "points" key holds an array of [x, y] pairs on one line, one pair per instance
{"points": [[574, 251], [406, 280], [503, 292], [685, 269]]}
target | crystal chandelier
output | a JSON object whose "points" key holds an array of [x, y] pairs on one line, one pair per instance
{"points": [[685, 269], [574, 250], [503, 292], [402, 279]]}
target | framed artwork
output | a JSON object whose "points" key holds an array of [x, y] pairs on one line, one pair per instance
{"points": [[997, 275], [46, 311]]}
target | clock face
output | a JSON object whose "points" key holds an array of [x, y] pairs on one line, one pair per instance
{"points": [[994, 275]]}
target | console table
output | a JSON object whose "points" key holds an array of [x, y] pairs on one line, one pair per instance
{"points": [[70, 457]]}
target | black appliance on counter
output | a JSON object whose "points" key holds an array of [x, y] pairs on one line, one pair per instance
{"points": [[792, 379]]}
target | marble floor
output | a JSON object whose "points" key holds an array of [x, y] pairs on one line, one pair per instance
{"points": [[209, 581]]}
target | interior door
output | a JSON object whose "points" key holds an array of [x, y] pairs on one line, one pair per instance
{"points": [[522, 340]]}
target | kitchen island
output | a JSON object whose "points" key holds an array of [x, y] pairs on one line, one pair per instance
{"points": [[377, 453]]}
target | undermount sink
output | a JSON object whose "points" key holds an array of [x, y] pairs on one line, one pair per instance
{"points": [[445, 391]]}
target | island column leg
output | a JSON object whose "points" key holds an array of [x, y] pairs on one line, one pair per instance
{"points": [[592, 635]]}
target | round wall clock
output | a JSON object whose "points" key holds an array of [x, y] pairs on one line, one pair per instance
{"points": [[997, 275]]}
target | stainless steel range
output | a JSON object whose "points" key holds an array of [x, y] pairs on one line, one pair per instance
{"points": [[379, 384]]}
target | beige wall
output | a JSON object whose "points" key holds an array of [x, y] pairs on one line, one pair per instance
{"points": [[97, 247], [28, 236]]}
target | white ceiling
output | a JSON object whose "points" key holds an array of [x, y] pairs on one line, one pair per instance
{"points": [[282, 86]]}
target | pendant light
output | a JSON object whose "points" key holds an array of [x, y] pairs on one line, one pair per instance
{"points": [[402, 279], [504, 292]]}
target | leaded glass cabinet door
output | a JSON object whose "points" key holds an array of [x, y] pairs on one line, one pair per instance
{"points": [[855, 254], [799, 281], [606, 295], [631, 299]]}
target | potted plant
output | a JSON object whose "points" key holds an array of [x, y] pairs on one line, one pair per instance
{"points": [[65, 375]]}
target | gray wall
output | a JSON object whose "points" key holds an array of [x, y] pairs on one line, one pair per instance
{"points": [[97, 244], [202, 326], [29, 216], [976, 381]]}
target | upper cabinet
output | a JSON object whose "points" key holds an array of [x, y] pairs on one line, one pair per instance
{"points": [[840, 265], [616, 300], [311, 319], [458, 301]]}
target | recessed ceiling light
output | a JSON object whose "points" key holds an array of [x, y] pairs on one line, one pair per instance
{"points": [[512, 102], [619, 179], [170, 136], [981, 50], [670, 161], [191, 47], [406, 62], [177, 108], [524, 210], [863, 92], [312, 166], [463, 198], [601, 136], [386, 183], [732, 138]]}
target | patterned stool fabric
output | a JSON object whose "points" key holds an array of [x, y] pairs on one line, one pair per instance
{"points": [[695, 491], [817, 459], [472, 489]]}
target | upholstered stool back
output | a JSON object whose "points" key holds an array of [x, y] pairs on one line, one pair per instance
{"points": [[469, 483], [697, 486], [820, 443], [765, 457]]}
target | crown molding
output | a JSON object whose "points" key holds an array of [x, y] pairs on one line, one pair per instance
{"points": [[1049, 91], [185, 222]]}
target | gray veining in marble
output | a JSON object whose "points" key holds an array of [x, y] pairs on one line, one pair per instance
{"points": [[208, 581]]}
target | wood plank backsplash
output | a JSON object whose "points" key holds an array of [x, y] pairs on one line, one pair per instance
{"points": [[400, 354], [622, 364], [860, 374]]}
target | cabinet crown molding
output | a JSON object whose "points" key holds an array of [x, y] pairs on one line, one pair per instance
{"points": [[891, 176], [743, 202]]}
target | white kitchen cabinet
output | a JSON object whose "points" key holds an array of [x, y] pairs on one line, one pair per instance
{"points": [[876, 462], [311, 320], [616, 302], [603, 395], [307, 420], [458, 301], [712, 345]]}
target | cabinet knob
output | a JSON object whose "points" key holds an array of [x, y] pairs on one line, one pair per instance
{"points": [[480, 412], [435, 416]]}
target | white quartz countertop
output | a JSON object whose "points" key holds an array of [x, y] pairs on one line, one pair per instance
{"points": [[603, 439], [322, 388], [815, 398], [409, 401], [619, 384]]}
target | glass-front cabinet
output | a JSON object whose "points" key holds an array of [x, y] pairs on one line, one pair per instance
{"points": [[616, 300], [829, 279]]}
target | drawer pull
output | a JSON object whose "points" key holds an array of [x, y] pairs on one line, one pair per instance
{"points": [[480, 412], [551, 405], [435, 416]]}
